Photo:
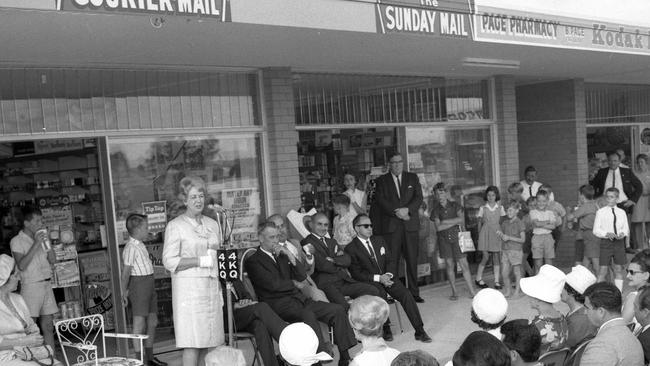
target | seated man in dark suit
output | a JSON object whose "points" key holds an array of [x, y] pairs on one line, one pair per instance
{"points": [[257, 318], [642, 314], [372, 263], [272, 270], [330, 272]]}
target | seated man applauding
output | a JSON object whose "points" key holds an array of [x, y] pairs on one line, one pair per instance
{"points": [[371, 262], [330, 271]]}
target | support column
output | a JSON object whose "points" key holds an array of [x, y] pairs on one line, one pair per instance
{"points": [[506, 117]]}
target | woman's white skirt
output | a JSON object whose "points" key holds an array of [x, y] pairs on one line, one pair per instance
{"points": [[198, 312]]}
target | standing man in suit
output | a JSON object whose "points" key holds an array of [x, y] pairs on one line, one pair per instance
{"points": [[372, 263], [257, 318], [399, 196], [629, 186], [272, 270], [614, 343], [331, 265]]}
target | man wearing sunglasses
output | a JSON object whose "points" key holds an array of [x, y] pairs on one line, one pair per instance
{"points": [[371, 262]]}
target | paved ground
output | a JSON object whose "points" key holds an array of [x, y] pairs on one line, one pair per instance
{"points": [[447, 322]]}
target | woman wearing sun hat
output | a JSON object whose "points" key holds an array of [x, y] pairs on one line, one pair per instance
{"points": [[544, 290], [489, 310], [17, 328], [298, 344]]}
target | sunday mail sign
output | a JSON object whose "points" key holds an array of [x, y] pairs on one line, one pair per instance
{"points": [[427, 17], [218, 9]]}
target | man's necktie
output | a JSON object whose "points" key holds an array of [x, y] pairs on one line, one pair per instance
{"points": [[530, 190], [614, 213], [322, 240], [399, 187], [371, 250], [613, 178]]}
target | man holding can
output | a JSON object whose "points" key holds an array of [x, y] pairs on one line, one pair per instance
{"points": [[33, 254]]}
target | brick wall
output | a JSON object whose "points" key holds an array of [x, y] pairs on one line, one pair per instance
{"points": [[506, 117], [552, 137], [283, 139]]}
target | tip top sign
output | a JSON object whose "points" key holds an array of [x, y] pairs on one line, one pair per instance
{"points": [[207, 8]]}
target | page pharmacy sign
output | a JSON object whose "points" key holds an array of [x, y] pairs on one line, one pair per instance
{"points": [[218, 9], [507, 26], [428, 17]]}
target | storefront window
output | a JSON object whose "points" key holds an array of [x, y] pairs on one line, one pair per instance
{"points": [[145, 176]]}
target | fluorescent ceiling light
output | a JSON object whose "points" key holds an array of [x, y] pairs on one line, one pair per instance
{"points": [[490, 62]]}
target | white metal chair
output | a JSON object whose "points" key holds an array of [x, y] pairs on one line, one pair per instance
{"points": [[82, 339]]}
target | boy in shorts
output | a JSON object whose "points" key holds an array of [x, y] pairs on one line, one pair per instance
{"points": [[138, 287], [513, 234], [585, 215], [559, 211], [448, 216], [610, 225], [543, 221]]}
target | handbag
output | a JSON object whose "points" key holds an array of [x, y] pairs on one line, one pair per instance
{"points": [[37, 354], [465, 242]]}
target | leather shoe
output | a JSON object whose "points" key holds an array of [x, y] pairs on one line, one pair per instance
{"points": [[423, 337], [388, 334], [156, 362], [418, 299]]}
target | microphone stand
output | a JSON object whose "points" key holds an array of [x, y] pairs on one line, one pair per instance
{"points": [[226, 231]]}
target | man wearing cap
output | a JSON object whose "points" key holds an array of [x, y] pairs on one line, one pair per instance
{"points": [[34, 260], [544, 290], [580, 328], [372, 262], [614, 343], [489, 310]]}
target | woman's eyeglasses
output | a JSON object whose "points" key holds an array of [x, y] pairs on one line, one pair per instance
{"points": [[365, 226], [632, 272]]}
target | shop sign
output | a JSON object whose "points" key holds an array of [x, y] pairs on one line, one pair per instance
{"points": [[429, 17], [155, 255], [50, 146], [98, 297], [57, 216], [244, 204], [218, 9], [156, 213], [504, 26]]}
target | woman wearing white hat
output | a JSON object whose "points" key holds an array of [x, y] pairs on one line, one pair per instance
{"points": [[544, 290], [580, 327], [17, 328], [489, 310], [298, 344]]}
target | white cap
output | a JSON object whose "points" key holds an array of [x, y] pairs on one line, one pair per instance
{"points": [[580, 278], [547, 285], [490, 306], [298, 344]]}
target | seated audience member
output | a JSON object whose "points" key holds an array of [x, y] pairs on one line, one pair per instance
{"points": [[330, 273], [580, 328], [308, 286], [523, 340], [372, 262], [489, 310], [298, 346], [257, 318], [343, 231], [638, 275], [614, 343], [272, 270], [481, 349], [17, 328], [367, 316], [414, 358], [544, 290], [642, 314]]}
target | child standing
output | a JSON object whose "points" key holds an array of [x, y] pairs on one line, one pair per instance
{"points": [[610, 225], [585, 215], [513, 234], [489, 242], [543, 221], [343, 230], [559, 211], [138, 287]]}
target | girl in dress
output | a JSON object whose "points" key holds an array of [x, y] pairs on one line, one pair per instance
{"points": [[357, 197], [489, 242]]}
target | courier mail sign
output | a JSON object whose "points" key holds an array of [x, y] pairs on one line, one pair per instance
{"points": [[217, 9], [448, 18]]}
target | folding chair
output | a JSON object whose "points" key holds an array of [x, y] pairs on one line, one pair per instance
{"points": [[554, 358]]}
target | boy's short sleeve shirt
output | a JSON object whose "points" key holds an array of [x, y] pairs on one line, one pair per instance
{"points": [[136, 255], [586, 214], [39, 268], [449, 211], [513, 228], [546, 215]]}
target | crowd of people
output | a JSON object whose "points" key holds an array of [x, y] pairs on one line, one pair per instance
{"points": [[345, 276]]}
